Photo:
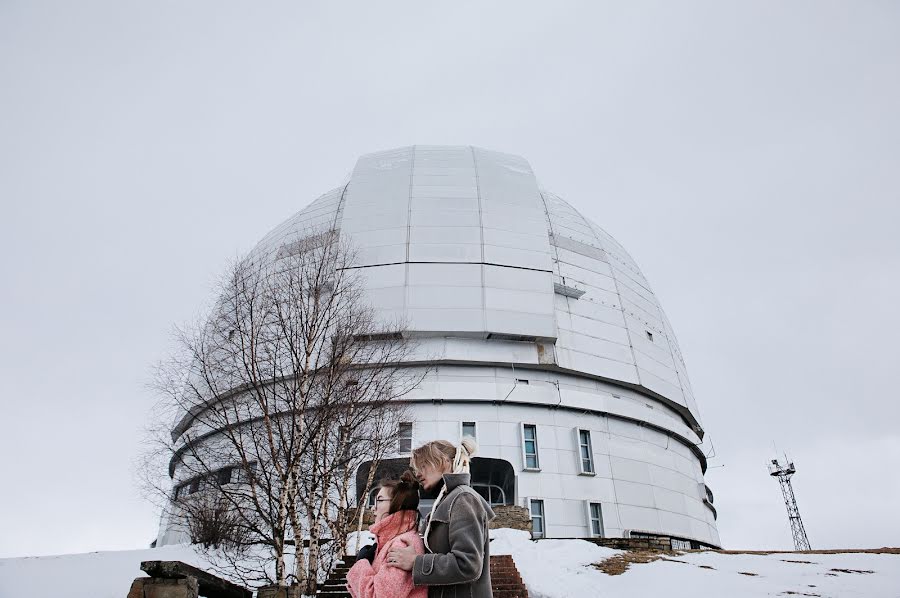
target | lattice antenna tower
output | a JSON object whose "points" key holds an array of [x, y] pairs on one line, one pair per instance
{"points": [[784, 474]]}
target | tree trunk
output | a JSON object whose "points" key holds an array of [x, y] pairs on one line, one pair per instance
{"points": [[364, 501]]}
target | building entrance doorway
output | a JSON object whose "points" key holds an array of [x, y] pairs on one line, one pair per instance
{"points": [[493, 479]]}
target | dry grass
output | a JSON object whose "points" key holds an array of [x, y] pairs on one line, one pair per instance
{"points": [[619, 564]]}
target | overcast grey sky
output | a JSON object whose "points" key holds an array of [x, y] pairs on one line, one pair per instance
{"points": [[747, 154]]}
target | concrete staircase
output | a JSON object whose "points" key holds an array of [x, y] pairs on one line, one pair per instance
{"points": [[505, 579]]}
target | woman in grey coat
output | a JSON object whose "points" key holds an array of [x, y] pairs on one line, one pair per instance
{"points": [[456, 563]]}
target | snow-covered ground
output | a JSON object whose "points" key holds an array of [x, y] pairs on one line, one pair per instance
{"points": [[564, 568], [550, 569], [89, 575]]}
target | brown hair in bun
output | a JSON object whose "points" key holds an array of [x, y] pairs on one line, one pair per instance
{"points": [[404, 492]]}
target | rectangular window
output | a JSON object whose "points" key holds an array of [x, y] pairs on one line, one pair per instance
{"points": [[585, 451], [537, 518], [596, 516], [468, 429], [404, 436], [530, 446]]}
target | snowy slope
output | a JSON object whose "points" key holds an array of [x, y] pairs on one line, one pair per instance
{"points": [[550, 569], [563, 568]]}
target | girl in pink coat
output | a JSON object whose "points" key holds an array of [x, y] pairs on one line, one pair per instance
{"points": [[396, 516]]}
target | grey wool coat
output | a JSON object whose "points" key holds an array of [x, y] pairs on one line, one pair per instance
{"points": [[459, 563]]}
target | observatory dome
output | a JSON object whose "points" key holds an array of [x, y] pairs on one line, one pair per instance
{"points": [[537, 333]]}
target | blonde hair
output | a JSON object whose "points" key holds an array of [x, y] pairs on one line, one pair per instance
{"points": [[440, 454], [443, 456]]}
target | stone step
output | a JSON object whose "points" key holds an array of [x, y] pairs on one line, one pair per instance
{"points": [[506, 586], [506, 582]]}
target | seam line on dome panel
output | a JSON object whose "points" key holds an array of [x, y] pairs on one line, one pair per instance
{"points": [[339, 211], [457, 263], [637, 370], [481, 237], [412, 175]]}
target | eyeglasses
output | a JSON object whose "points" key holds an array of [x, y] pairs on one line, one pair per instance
{"points": [[382, 500]]}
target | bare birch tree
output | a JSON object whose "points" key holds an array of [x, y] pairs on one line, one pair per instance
{"points": [[279, 394]]}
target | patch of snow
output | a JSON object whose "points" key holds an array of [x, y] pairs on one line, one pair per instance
{"points": [[365, 538]]}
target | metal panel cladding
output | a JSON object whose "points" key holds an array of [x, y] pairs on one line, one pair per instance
{"points": [[462, 242]]}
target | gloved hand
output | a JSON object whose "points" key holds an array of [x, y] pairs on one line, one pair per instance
{"points": [[367, 552]]}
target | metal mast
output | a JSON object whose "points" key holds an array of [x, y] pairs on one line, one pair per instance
{"points": [[784, 473]]}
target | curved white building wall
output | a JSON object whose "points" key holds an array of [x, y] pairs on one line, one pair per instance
{"points": [[499, 280]]}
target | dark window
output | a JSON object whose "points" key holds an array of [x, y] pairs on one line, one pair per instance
{"points": [[596, 520], [404, 435], [537, 518], [586, 452], [223, 476]]}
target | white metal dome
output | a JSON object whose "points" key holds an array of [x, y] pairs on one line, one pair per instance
{"points": [[463, 244]]}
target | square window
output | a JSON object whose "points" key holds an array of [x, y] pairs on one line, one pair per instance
{"points": [[468, 429], [223, 476]]}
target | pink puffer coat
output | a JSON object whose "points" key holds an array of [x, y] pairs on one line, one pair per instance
{"points": [[378, 580]]}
